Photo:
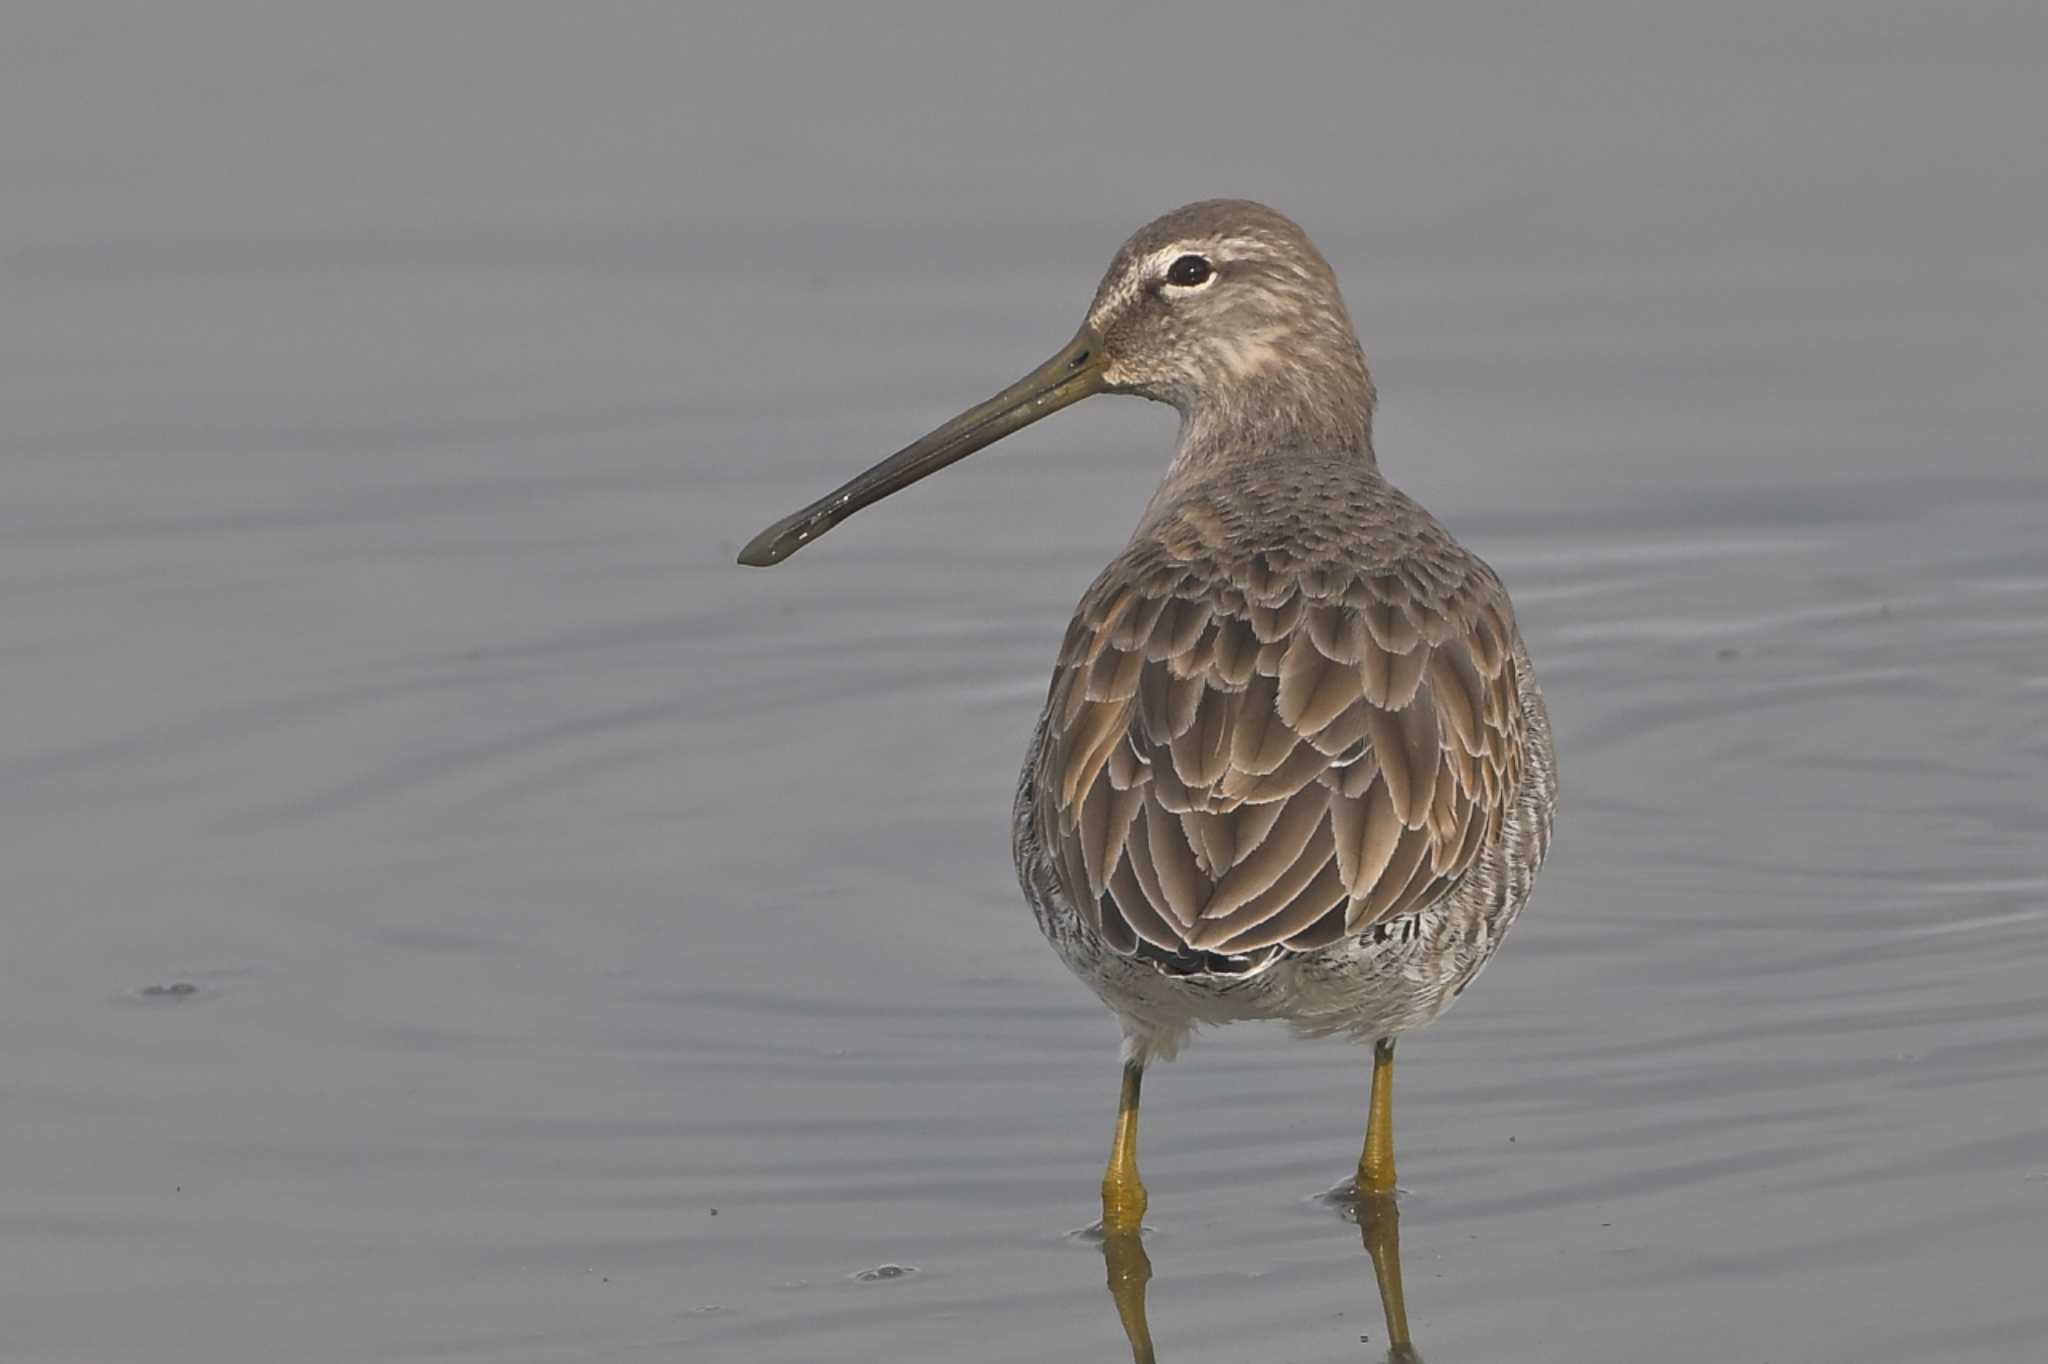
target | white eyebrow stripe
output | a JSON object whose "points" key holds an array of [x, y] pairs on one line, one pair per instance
{"points": [[1156, 263], [1151, 267]]}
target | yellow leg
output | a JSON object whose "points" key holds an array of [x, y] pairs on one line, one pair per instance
{"points": [[1123, 1193], [1379, 1225], [1376, 1162], [1379, 1219]]}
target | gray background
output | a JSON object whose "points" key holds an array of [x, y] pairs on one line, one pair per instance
{"points": [[385, 389]]}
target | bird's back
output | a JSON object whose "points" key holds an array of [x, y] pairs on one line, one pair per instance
{"points": [[1293, 708]]}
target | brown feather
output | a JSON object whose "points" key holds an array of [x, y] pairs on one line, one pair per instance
{"points": [[1340, 633], [1134, 626], [1260, 741], [1486, 636], [1199, 657], [1166, 704], [1126, 769], [1260, 751], [1390, 747], [1273, 623], [1202, 754], [1174, 795], [1138, 856], [1408, 855], [1251, 824], [1424, 753], [1087, 746], [1144, 920], [1343, 731], [1367, 830], [1114, 927], [1404, 677], [1298, 874], [1215, 840], [1304, 910], [1178, 627], [1359, 774], [1185, 889], [1327, 889], [1114, 675], [1265, 864], [1390, 627], [1105, 819], [1303, 766], [1237, 652], [1458, 688], [1313, 689]]}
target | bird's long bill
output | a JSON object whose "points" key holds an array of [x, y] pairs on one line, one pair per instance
{"points": [[1068, 377]]}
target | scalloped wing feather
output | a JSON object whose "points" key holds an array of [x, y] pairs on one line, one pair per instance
{"points": [[1264, 753]]}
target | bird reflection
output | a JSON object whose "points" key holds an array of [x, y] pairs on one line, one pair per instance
{"points": [[1130, 1269], [1379, 1229]]}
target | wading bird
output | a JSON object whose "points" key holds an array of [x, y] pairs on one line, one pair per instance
{"points": [[1293, 764]]}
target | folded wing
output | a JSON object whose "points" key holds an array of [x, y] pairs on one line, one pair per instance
{"points": [[1256, 758]]}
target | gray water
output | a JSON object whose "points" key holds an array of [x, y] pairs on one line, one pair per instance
{"points": [[453, 913]]}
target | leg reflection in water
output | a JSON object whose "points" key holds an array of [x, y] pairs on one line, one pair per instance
{"points": [[1379, 1228], [1123, 1252]]}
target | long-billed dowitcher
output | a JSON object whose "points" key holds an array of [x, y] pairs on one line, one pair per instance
{"points": [[1293, 764]]}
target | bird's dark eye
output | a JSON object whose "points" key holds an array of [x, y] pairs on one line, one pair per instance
{"points": [[1188, 271]]}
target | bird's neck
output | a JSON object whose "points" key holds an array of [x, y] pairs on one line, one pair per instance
{"points": [[1270, 414]]}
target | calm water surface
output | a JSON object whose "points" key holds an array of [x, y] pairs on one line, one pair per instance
{"points": [[454, 913]]}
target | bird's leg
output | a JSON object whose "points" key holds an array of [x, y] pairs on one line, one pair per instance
{"points": [[1123, 1193], [1376, 1161], [1379, 1219], [1379, 1226]]}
